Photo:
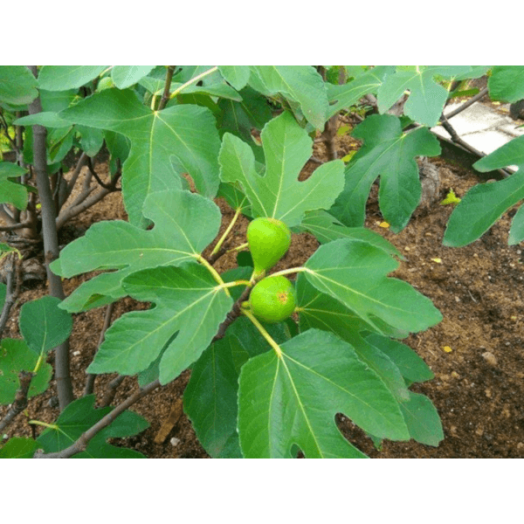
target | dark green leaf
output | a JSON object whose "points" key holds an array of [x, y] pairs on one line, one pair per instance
{"points": [[422, 420], [62, 78], [507, 83], [17, 448], [12, 192]]}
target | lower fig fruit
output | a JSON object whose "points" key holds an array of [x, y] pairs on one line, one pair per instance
{"points": [[273, 299]]}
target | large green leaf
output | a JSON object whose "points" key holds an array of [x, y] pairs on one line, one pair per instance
{"points": [[279, 194], [346, 95], [188, 302], [164, 144], [81, 415], [355, 273], [15, 356], [44, 325], [185, 224], [389, 153], [62, 78], [12, 192], [126, 76], [427, 97], [324, 312], [17, 85], [49, 119], [507, 83], [299, 84], [484, 204], [292, 399], [91, 140]]}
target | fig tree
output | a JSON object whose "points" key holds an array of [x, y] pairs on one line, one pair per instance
{"points": [[268, 240], [272, 299]]}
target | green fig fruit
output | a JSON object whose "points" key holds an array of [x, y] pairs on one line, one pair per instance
{"points": [[105, 83], [268, 240], [272, 299]]}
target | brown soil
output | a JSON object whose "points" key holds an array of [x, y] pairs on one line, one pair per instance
{"points": [[478, 387]]}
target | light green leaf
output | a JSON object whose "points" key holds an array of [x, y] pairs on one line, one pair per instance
{"points": [[49, 119], [293, 399], [237, 76], [412, 367], [422, 420], [15, 356], [188, 302], [484, 204], [355, 273], [427, 97], [164, 144], [12, 192], [62, 78], [301, 85], [56, 101], [91, 140], [44, 325], [279, 194], [327, 228], [17, 85], [126, 76], [185, 224], [507, 83], [81, 415], [389, 153], [346, 95]]}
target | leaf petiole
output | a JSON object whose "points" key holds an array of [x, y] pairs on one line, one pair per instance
{"points": [[228, 230], [45, 424], [214, 272], [236, 283], [290, 271], [263, 332], [192, 81]]}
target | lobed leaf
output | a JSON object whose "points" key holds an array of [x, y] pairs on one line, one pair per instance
{"points": [[278, 194], [354, 273], [185, 224], [189, 307], [164, 145], [389, 153], [292, 399]]}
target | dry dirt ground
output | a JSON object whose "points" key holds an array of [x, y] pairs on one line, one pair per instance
{"points": [[478, 387]]}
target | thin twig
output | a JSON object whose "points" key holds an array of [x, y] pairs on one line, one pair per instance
{"points": [[232, 315], [81, 444], [23, 225], [109, 186], [20, 402], [457, 140], [465, 105], [110, 393], [76, 173]]}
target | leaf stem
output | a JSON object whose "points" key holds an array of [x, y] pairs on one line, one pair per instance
{"points": [[237, 283], [289, 271], [192, 81], [45, 424], [263, 332], [228, 230], [238, 248], [214, 272]]}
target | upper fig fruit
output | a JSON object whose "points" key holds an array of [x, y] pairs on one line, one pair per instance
{"points": [[268, 240]]}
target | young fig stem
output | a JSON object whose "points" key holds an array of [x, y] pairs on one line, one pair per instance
{"points": [[193, 81], [263, 332], [227, 231]]}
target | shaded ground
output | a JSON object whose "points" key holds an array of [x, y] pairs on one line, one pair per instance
{"points": [[478, 387]]}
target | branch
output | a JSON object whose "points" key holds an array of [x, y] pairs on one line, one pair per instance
{"points": [[81, 444], [22, 225], [111, 186], [20, 402], [165, 97], [10, 295], [457, 140], [465, 105], [232, 315], [76, 173], [111, 391], [50, 236]]}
